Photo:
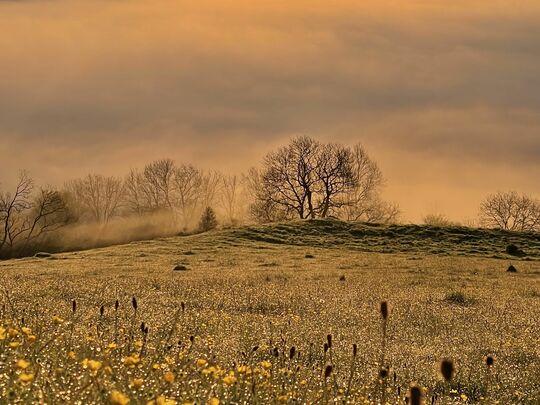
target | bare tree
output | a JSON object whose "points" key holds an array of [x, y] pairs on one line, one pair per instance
{"points": [[188, 186], [158, 176], [25, 218], [335, 171], [210, 188], [309, 179], [510, 211], [288, 178], [229, 196], [12, 205], [99, 197]]}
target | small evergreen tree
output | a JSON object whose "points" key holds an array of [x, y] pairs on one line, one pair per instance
{"points": [[208, 220]]}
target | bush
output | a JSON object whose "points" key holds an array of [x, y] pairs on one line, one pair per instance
{"points": [[208, 220]]}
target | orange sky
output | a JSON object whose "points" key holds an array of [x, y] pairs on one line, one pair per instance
{"points": [[444, 95]]}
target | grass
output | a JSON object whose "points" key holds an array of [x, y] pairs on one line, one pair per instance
{"points": [[224, 329]]}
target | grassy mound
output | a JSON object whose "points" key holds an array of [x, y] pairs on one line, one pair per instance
{"points": [[393, 238]]}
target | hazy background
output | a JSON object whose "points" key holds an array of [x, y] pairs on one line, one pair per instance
{"points": [[444, 95]]}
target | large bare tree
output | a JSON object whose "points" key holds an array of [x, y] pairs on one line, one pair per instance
{"points": [[310, 179], [510, 211]]}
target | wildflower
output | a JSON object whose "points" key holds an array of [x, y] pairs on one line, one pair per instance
{"points": [[71, 355], [266, 364], [26, 330], [13, 332], [161, 400], [229, 379], [14, 345], [283, 398], [169, 377], [132, 360], [156, 366], [136, 383], [26, 378], [2, 333], [201, 363], [57, 320], [213, 401], [112, 346], [92, 365], [243, 369], [23, 364], [464, 397], [31, 338], [118, 398]]}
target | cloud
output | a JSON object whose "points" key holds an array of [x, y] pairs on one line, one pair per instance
{"points": [[455, 86]]}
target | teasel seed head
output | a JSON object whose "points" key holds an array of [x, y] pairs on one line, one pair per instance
{"points": [[447, 369], [328, 371], [415, 395], [384, 310]]}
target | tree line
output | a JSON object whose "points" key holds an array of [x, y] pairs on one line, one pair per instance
{"points": [[301, 180]]}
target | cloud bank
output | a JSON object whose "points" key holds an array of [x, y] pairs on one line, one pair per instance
{"points": [[445, 96]]}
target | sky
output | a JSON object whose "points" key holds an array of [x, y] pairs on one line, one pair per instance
{"points": [[445, 96]]}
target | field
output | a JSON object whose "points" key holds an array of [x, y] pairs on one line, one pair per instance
{"points": [[270, 315]]}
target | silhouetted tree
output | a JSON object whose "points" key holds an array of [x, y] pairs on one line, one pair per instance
{"points": [[309, 179], [25, 217], [510, 211]]}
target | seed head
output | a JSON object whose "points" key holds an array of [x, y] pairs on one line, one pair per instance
{"points": [[329, 340], [116, 305], [489, 361], [415, 395], [384, 310], [328, 371], [292, 352], [73, 305], [134, 303], [354, 349], [447, 369]]}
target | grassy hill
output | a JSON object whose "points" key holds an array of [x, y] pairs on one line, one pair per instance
{"points": [[393, 238], [224, 325]]}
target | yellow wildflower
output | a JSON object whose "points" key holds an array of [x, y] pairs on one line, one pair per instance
{"points": [[71, 355], [213, 401], [169, 377], [13, 332], [229, 379], [14, 345], [464, 397], [26, 330], [26, 378], [266, 364], [201, 363], [2, 333], [136, 383], [31, 338], [93, 365], [57, 320], [118, 398], [132, 360], [161, 400], [23, 364], [283, 398]]}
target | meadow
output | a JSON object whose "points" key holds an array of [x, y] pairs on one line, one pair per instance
{"points": [[284, 313]]}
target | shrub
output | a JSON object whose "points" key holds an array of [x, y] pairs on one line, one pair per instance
{"points": [[208, 220]]}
